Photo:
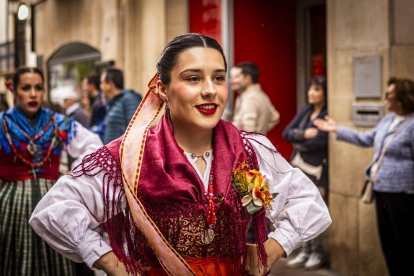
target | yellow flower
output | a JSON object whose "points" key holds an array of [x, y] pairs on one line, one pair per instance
{"points": [[252, 186]]}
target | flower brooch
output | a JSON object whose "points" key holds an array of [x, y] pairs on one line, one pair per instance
{"points": [[252, 187]]}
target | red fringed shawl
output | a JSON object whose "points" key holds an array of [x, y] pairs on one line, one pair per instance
{"points": [[174, 197]]}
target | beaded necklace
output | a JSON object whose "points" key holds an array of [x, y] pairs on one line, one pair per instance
{"points": [[32, 147], [209, 234]]}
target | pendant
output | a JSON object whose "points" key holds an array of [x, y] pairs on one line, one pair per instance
{"points": [[32, 148], [208, 236]]}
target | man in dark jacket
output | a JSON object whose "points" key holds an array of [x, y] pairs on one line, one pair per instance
{"points": [[121, 105], [90, 86]]}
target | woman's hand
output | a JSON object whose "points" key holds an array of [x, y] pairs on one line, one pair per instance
{"points": [[111, 265], [328, 124], [311, 132], [274, 252]]}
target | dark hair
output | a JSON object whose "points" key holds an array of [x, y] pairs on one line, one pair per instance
{"points": [[179, 44], [94, 80], [249, 69], [321, 80], [404, 92], [24, 70], [116, 76]]}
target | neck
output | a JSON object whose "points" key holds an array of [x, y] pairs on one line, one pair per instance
{"points": [[114, 93], [318, 107], [196, 142], [400, 111]]}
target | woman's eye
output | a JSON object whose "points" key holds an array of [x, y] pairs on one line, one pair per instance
{"points": [[39, 88], [25, 87], [193, 79], [220, 78]]}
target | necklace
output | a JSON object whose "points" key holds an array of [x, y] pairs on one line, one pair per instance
{"points": [[208, 235], [31, 147], [194, 155]]}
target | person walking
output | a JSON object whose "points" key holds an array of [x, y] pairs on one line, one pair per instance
{"points": [[391, 172], [175, 194], [121, 103], [31, 142], [90, 85], [310, 154], [253, 110]]}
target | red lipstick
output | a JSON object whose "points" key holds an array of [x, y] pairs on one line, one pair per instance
{"points": [[207, 109]]}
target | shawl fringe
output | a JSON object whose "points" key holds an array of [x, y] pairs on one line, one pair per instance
{"points": [[117, 223]]}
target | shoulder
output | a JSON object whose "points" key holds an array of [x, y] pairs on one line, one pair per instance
{"points": [[114, 146], [307, 109], [131, 94], [386, 119], [258, 140], [60, 118]]}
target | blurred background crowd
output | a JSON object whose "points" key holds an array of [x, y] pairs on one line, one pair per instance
{"points": [[315, 57]]}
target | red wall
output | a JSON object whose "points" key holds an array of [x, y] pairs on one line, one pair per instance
{"points": [[205, 18], [264, 33]]}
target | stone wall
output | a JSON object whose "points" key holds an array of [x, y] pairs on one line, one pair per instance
{"points": [[355, 29], [130, 32]]}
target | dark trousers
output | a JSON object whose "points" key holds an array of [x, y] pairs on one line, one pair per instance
{"points": [[395, 216]]}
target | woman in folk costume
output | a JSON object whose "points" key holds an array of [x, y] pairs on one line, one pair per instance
{"points": [[175, 194], [31, 141]]}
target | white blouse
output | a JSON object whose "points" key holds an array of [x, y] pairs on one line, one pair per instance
{"points": [[67, 216], [83, 143]]}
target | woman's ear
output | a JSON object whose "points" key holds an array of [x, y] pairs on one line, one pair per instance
{"points": [[162, 91]]}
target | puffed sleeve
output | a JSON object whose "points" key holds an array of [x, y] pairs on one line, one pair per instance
{"points": [[84, 142], [68, 218], [298, 211]]}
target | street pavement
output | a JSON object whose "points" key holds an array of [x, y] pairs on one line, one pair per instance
{"points": [[280, 269]]}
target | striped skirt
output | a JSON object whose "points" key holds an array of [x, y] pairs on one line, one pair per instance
{"points": [[22, 252]]}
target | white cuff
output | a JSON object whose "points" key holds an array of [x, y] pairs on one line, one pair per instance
{"points": [[90, 251], [288, 243]]}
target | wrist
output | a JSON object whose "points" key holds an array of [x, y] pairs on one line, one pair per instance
{"points": [[274, 251], [107, 262]]}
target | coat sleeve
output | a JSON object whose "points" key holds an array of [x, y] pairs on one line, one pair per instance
{"points": [[298, 211], [363, 139], [292, 133]]}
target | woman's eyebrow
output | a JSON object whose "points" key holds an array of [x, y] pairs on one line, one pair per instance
{"points": [[193, 70]]}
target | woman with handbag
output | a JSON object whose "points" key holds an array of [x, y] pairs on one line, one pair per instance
{"points": [[310, 155], [391, 172]]}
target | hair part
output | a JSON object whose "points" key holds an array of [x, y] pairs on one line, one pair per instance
{"points": [[251, 69], [175, 47], [404, 93], [115, 76], [24, 70]]}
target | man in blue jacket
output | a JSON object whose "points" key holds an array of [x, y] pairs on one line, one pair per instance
{"points": [[121, 106]]}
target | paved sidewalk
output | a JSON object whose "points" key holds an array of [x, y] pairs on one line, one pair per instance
{"points": [[280, 269]]}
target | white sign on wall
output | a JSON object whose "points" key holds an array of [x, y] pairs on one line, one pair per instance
{"points": [[367, 77]]}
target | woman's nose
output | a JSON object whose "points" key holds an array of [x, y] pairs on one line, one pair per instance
{"points": [[209, 89], [33, 92]]}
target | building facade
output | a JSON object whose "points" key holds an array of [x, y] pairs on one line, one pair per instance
{"points": [[290, 40]]}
